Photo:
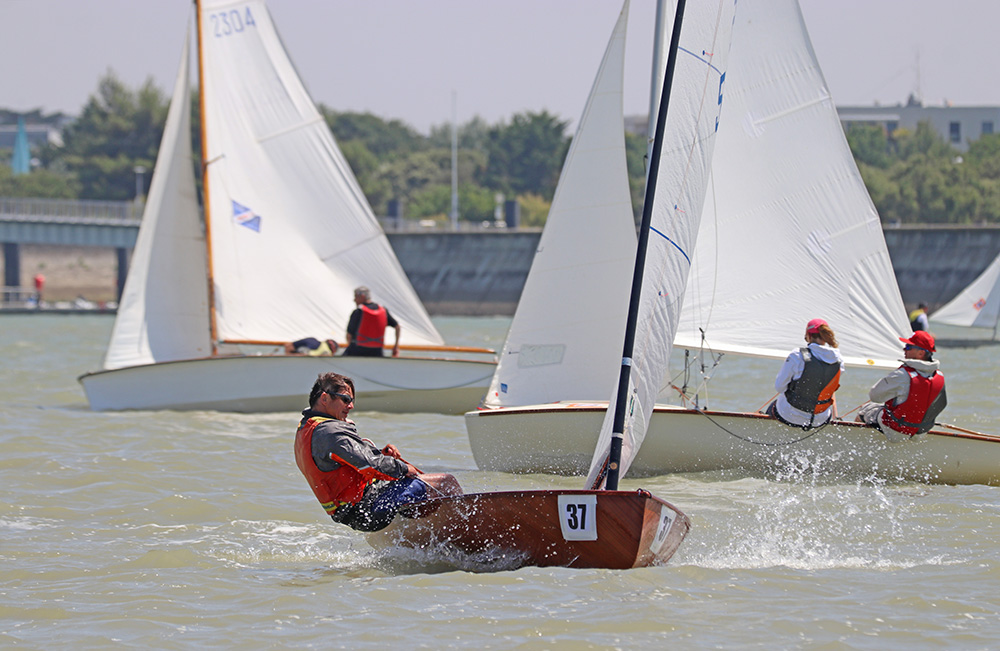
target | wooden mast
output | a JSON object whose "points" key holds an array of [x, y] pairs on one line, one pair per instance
{"points": [[618, 427], [206, 204]]}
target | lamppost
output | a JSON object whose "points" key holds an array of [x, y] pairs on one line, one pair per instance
{"points": [[139, 171]]}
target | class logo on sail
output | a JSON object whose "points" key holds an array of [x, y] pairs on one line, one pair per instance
{"points": [[246, 217]]}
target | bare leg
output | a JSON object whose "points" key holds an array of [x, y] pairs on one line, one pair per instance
{"points": [[441, 484]]}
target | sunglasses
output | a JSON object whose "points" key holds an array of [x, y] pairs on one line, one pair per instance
{"points": [[343, 396], [911, 347]]}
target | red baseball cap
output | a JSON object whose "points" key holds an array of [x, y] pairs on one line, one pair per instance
{"points": [[921, 339], [812, 328]]}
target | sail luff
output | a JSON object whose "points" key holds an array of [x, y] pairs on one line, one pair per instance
{"points": [[680, 183], [618, 426]]}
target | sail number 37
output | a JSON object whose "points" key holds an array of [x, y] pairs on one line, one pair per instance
{"points": [[578, 517]]}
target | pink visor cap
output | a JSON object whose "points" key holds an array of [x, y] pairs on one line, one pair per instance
{"points": [[812, 328]]}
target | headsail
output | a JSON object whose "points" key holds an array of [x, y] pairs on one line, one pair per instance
{"points": [[978, 305], [560, 343], [291, 232], [163, 312], [692, 119], [789, 232]]}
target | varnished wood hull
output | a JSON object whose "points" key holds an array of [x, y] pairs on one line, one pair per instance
{"points": [[569, 528]]}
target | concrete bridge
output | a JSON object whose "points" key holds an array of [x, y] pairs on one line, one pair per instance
{"points": [[108, 224], [480, 271]]}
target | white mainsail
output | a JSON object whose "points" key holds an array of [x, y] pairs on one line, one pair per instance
{"points": [[789, 232], [561, 341], [163, 312], [692, 120], [976, 306], [290, 230]]}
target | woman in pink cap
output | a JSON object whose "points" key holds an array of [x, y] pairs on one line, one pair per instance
{"points": [[808, 379]]}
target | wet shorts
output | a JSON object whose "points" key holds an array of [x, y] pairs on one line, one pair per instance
{"points": [[380, 503]]}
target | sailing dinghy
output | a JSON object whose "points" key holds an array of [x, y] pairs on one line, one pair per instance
{"points": [[973, 315], [629, 528], [788, 234], [286, 237]]}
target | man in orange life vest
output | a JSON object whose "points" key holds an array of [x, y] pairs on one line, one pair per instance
{"points": [[356, 483], [906, 402], [366, 327]]}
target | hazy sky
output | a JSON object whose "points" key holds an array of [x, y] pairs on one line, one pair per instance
{"points": [[403, 58]]}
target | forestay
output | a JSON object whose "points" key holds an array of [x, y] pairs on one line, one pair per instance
{"points": [[692, 119], [283, 205], [789, 232], [978, 305], [566, 335], [163, 311]]}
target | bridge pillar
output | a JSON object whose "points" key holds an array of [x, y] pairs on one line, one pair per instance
{"points": [[11, 265], [122, 254]]}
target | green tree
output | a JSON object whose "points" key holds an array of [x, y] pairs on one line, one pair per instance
{"points": [[526, 155], [118, 130], [383, 138], [869, 144], [38, 184]]}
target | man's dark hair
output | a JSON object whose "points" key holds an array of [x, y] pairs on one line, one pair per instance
{"points": [[329, 383]]}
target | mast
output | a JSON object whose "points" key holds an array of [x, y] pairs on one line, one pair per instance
{"points": [[618, 427], [206, 204]]}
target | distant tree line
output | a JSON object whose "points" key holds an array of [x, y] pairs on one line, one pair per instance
{"points": [[913, 176]]}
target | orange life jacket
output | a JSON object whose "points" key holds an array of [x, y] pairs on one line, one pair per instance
{"points": [[916, 414], [334, 488], [812, 392], [371, 330]]}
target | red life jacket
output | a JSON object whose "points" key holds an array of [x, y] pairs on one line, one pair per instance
{"points": [[813, 391], [371, 330], [345, 485], [916, 414]]}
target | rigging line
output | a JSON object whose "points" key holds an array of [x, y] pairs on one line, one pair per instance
{"points": [[813, 432]]}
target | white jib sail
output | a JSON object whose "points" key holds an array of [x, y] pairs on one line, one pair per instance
{"points": [[567, 331], [976, 306], [291, 231], [789, 232], [163, 312], [693, 116]]}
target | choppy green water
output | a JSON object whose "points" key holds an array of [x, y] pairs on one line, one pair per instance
{"points": [[195, 530]]}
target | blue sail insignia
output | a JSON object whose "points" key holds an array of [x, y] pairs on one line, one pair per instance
{"points": [[246, 217]]}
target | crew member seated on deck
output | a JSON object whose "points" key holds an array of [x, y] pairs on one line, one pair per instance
{"points": [[906, 402], [356, 483], [311, 346], [808, 379], [366, 327], [918, 318]]}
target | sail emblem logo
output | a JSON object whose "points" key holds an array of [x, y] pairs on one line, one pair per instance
{"points": [[980, 304], [246, 217]]}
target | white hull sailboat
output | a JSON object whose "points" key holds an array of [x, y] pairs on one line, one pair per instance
{"points": [[287, 235], [788, 234], [603, 526], [972, 317]]}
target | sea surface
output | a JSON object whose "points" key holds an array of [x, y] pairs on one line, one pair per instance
{"points": [[171, 530]]}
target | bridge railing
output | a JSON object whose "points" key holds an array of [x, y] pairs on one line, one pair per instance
{"points": [[76, 209]]}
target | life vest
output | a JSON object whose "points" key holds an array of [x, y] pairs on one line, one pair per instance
{"points": [[371, 330], [334, 488], [916, 414], [813, 391], [915, 323]]}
